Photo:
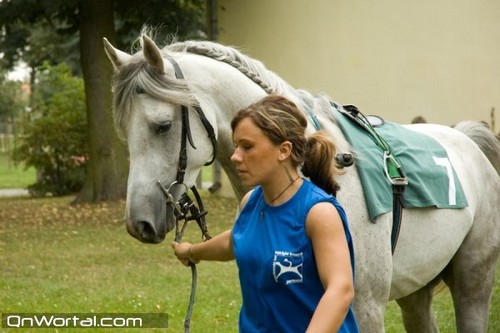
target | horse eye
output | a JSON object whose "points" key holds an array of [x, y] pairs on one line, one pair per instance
{"points": [[163, 128], [139, 90]]}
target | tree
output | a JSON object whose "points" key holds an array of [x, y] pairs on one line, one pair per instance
{"points": [[107, 167], [10, 99], [94, 19], [12, 103], [55, 138]]}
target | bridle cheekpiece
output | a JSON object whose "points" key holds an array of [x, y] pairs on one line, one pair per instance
{"points": [[185, 208]]}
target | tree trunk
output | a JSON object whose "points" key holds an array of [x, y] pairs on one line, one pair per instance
{"points": [[108, 164]]}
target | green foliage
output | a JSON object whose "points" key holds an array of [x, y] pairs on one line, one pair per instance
{"points": [[32, 31], [182, 19], [47, 30], [55, 140], [10, 100]]}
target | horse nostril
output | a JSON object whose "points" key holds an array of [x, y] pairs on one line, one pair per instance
{"points": [[147, 232]]}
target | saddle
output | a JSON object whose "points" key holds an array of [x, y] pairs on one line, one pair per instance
{"points": [[431, 179]]}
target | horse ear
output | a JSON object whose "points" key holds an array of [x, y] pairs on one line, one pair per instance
{"points": [[118, 58], [152, 54]]}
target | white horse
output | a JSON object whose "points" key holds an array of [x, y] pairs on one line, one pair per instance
{"points": [[458, 246], [481, 134]]}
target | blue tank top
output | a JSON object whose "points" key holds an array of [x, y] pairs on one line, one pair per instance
{"points": [[278, 275]]}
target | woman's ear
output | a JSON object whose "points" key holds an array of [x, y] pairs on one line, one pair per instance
{"points": [[285, 150]]}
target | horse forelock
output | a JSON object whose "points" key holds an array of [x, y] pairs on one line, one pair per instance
{"points": [[139, 77]]}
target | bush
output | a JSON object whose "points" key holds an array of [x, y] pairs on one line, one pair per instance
{"points": [[55, 138]]}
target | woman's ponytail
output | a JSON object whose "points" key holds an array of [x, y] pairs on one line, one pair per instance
{"points": [[319, 163]]}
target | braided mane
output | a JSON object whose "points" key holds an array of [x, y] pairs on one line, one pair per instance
{"points": [[253, 69], [137, 74], [258, 73]]}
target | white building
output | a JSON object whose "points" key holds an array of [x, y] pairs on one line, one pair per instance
{"points": [[398, 59]]}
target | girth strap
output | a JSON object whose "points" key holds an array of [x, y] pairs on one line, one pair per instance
{"points": [[392, 168]]}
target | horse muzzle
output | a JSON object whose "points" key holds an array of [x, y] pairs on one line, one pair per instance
{"points": [[149, 220], [146, 232]]}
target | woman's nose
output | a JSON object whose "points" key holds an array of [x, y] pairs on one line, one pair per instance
{"points": [[236, 158]]}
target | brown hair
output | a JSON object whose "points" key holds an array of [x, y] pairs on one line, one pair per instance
{"points": [[280, 120]]}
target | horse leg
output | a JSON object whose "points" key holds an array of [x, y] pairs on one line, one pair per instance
{"points": [[471, 281], [369, 314], [373, 279], [373, 258], [417, 311]]}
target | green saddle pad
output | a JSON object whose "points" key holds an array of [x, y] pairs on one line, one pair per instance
{"points": [[432, 181]]}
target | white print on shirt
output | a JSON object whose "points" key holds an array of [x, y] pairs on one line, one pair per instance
{"points": [[287, 267]]}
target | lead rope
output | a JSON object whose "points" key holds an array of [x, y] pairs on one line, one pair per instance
{"points": [[185, 209], [194, 278], [185, 206]]}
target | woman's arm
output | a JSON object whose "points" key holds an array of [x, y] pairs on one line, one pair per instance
{"points": [[324, 228], [219, 248]]}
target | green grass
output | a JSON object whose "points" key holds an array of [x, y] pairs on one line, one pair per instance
{"points": [[60, 258], [17, 176], [12, 176]]}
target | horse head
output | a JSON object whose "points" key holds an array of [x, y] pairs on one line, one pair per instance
{"points": [[156, 112]]}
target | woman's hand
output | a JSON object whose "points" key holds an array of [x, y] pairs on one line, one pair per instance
{"points": [[219, 248], [183, 253]]}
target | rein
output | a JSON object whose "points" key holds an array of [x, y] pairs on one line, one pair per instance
{"points": [[185, 209]]}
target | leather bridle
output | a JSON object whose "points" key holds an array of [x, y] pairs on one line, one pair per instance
{"points": [[186, 129], [184, 208]]}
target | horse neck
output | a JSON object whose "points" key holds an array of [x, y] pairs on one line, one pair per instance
{"points": [[223, 89]]}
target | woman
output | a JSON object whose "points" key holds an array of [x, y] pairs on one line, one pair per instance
{"points": [[291, 239]]}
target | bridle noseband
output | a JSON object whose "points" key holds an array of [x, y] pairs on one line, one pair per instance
{"points": [[185, 208]]}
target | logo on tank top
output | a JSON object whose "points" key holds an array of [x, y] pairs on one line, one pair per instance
{"points": [[287, 267]]}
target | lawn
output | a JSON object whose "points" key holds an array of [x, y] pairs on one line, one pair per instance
{"points": [[60, 258], [14, 176]]}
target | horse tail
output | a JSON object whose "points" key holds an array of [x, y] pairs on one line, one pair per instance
{"points": [[486, 140]]}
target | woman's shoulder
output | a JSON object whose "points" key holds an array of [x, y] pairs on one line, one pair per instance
{"points": [[250, 196], [314, 192], [315, 195]]}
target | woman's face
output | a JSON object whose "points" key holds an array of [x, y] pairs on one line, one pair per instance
{"points": [[256, 157]]}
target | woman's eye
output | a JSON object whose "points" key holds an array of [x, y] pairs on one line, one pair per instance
{"points": [[243, 145], [163, 128], [246, 147]]}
